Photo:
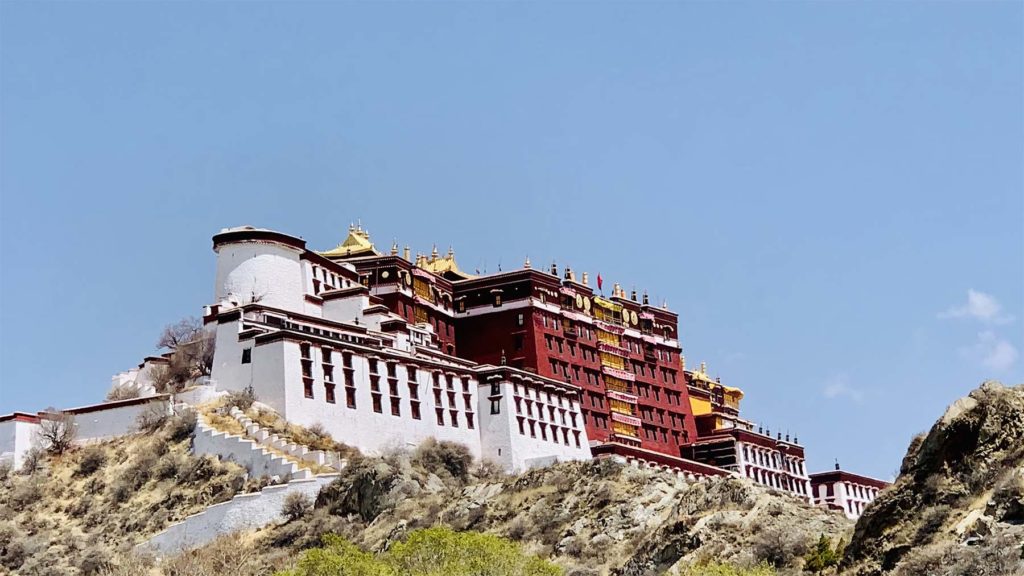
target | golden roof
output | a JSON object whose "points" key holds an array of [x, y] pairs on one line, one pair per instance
{"points": [[443, 266], [356, 244]]}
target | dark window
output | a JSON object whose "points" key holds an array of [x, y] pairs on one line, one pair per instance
{"points": [[350, 397], [246, 355], [307, 387], [495, 406], [376, 403], [414, 408], [440, 416], [396, 409], [469, 420], [329, 393]]}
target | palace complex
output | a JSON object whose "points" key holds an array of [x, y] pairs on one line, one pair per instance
{"points": [[525, 367]]}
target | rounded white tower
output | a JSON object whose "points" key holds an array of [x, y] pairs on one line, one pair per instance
{"points": [[261, 266]]}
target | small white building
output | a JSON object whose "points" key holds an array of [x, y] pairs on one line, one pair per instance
{"points": [[308, 338], [846, 491]]}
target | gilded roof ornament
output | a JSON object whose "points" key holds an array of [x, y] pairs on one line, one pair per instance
{"points": [[527, 263], [586, 279]]}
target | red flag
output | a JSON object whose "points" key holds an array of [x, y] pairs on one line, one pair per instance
{"points": [[599, 280]]}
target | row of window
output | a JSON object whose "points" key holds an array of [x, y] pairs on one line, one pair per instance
{"points": [[556, 434], [548, 415]]}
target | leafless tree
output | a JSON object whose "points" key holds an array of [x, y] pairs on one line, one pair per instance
{"points": [[182, 332], [192, 347], [56, 431]]}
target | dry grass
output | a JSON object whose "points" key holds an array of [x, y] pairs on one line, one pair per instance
{"points": [[73, 517], [310, 437]]}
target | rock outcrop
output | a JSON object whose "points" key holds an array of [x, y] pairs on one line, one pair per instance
{"points": [[957, 506]]}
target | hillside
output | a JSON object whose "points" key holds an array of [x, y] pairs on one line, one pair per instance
{"points": [[70, 514], [957, 507]]}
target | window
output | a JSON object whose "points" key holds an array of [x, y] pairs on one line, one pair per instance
{"points": [[414, 409], [496, 406], [396, 409], [376, 404], [518, 342], [329, 393], [440, 416], [495, 389], [469, 420], [520, 320], [247, 356], [350, 397], [455, 418], [326, 354], [307, 387]]}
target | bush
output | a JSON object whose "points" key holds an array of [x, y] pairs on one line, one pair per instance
{"points": [[779, 547], [152, 418], [92, 459], [6, 467], [182, 425], [241, 399], [296, 505], [122, 392], [444, 458], [33, 461], [715, 569]]}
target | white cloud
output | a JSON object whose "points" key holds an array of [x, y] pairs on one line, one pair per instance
{"points": [[839, 386], [980, 306], [992, 352]]}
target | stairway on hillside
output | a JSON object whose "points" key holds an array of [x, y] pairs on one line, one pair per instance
{"points": [[243, 512]]}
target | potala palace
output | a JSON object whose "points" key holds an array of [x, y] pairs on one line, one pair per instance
{"points": [[525, 367]]}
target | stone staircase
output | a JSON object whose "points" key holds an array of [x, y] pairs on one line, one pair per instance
{"points": [[261, 453], [258, 460], [243, 512], [270, 440]]}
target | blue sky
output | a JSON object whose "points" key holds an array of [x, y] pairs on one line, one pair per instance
{"points": [[830, 195]]}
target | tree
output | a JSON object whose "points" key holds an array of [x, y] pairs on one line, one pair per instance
{"points": [[56, 431], [823, 556], [182, 332], [192, 348]]}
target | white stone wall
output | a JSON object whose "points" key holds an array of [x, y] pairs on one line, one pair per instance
{"points": [[98, 425], [370, 431], [502, 441], [243, 512], [269, 271], [16, 438]]}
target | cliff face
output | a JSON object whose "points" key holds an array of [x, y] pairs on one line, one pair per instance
{"points": [[957, 506]]}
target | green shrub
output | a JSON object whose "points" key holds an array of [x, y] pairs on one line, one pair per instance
{"points": [[427, 552], [823, 555]]}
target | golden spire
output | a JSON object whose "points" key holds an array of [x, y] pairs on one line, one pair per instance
{"points": [[586, 279], [527, 263], [407, 254], [451, 252], [433, 253], [703, 367], [394, 248]]}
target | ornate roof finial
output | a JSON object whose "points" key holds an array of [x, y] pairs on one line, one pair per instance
{"points": [[394, 247], [433, 253], [554, 269], [568, 272], [682, 360], [703, 367], [407, 254], [351, 227], [632, 295], [647, 301], [527, 264], [451, 252], [586, 279]]}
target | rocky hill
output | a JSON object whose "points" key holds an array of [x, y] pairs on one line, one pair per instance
{"points": [[957, 507]]}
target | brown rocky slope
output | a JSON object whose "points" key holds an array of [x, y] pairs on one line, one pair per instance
{"points": [[957, 507]]}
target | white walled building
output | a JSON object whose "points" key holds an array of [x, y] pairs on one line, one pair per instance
{"points": [[305, 334], [841, 490]]}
